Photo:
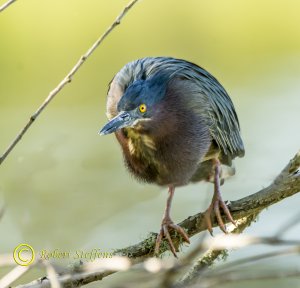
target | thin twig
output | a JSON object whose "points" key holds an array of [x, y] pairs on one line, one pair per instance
{"points": [[201, 273], [225, 268], [6, 260], [5, 5], [211, 255], [234, 277], [69, 280], [52, 275], [66, 80], [288, 225], [13, 275]]}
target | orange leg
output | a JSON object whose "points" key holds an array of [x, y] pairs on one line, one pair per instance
{"points": [[167, 224]]}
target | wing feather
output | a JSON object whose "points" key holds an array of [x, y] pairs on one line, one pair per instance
{"points": [[224, 124]]}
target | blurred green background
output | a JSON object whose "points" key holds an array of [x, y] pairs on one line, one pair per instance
{"points": [[64, 187]]}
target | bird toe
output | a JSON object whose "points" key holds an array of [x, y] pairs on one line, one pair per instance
{"points": [[165, 232]]}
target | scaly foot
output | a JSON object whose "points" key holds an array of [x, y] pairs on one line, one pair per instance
{"points": [[215, 206], [217, 203], [167, 224]]}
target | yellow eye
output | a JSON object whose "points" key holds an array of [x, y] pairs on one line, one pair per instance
{"points": [[143, 108]]}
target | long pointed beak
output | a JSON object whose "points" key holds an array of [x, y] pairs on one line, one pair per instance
{"points": [[122, 120]]}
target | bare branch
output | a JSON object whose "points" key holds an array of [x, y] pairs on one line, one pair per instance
{"points": [[5, 5], [225, 268], [288, 225], [235, 276], [69, 280], [6, 260], [66, 80], [91, 272], [211, 255], [285, 185], [13, 275], [52, 275]]}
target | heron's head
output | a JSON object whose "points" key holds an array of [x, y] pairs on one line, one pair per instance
{"points": [[139, 104]]}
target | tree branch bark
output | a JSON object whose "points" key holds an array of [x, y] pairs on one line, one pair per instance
{"points": [[286, 184]]}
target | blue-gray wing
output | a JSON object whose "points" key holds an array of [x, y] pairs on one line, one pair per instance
{"points": [[223, 121]]}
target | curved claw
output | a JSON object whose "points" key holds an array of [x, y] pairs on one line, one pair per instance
{"points": [[215, 206], [164, 232], [158, 241], [227, 212], [219, 217], [207, 218], [167, 235], [181, 232]]}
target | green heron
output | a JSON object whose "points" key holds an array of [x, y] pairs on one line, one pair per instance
{"points": [[176, 124]]}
